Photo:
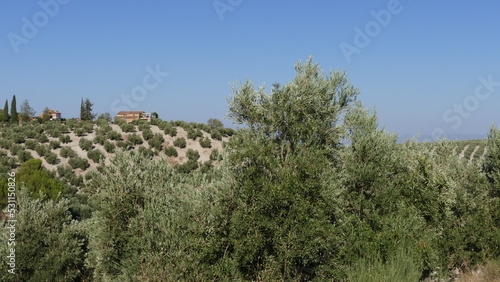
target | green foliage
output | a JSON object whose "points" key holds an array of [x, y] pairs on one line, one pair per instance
{"points": [[14, 117], [214, 123], [14, 149], [180, 142], [187, 167], [86, 110], [216, 134], [24, 156], [145, 152], [26, 112], [5, 114], [51, 158], [205, 143], [109, 147], [113, 135], [42, 138], [301, 113], [193, 133], [169, 129], [49, 245], [30, 144], [99, 139], [67, 152], [215, 155], [134, 139], [32, 176], [54, 145], [156, 141], [147, 134], [64, 139], [170, 151], [77, 162], [79, 132], [85, 144], [95, 155], [193, 155], [127, 127]]}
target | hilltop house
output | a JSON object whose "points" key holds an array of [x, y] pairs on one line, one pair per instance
{"points": [[130, 116], [53, 115]]}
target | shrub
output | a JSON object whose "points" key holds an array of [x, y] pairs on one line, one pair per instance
{"points": [[127, 127], [144, 125], [180, 142], [64, 171], [170, 130], [170, 151], [113, 135], [77, 162], [146, 152], [79, 132], [216, 135], [88, 127], [5, 144], [227, 131], [24, 156], [109, 147], [206, 167], [30, 133], [95, 155], [192, 155], [64, 139], [215, 155], [42, 138], [18, 139], [76, 180], [134, 139], [205, 143], [85, 144], [54, 144], [67, 152], [42, 150], [99, 139], [147, 134], [194, 133], [187, 167], [51, 158], [122, 144], [30, 144], [156, 141]]}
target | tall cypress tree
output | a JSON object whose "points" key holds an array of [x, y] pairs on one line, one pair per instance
{"points": [[6, 111], [86, 110], [14, 118], [82, 110]]}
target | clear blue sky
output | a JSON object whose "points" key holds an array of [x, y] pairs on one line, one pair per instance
{"points": [[420, 69]]}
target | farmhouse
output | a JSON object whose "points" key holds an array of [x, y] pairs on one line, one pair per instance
{"points": [[130, 116], [53, 115]]}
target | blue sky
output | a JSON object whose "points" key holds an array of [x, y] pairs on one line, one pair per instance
{"points": [[424, 65]]}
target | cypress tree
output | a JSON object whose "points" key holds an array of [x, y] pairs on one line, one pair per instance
{"points": [[14, 118], [82, 110], [6, 111]]}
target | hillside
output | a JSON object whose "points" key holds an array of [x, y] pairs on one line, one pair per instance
{"points": [[81, 146], [470, 150]]}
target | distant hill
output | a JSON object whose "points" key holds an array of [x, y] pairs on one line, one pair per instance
{"points": [[451, 137], [72, 149]]}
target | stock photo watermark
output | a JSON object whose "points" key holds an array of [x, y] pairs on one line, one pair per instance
{"points": [[223, 6], [11, 222], [455, 114], [139, 93], [30, 28], [363, 37]]}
